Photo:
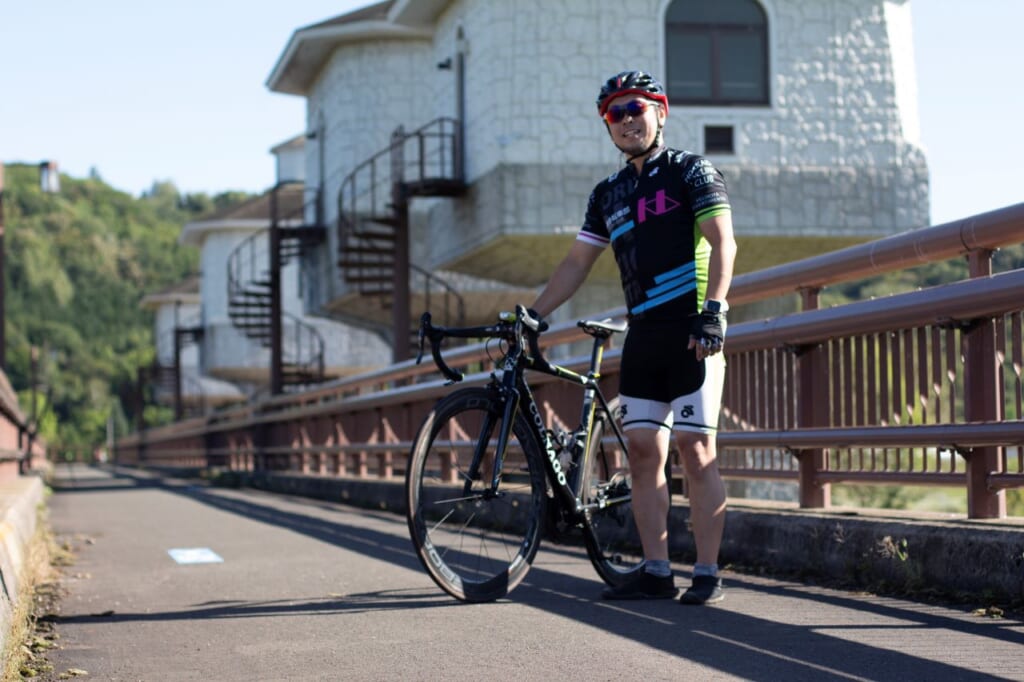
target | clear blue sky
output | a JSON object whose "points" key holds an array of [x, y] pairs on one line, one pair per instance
{"points": [[145, 91]]}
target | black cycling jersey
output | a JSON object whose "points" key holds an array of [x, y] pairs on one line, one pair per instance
{"points": [[651, 219]]}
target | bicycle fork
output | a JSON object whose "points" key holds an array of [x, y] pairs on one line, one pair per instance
{"points": [[510, 399]]}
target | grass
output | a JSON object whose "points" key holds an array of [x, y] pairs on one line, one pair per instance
{"points": [[27, 641]]}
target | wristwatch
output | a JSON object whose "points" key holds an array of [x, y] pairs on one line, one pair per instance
{"points": [[713, 306]]}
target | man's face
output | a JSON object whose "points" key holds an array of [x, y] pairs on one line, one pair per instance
{"points": [[636, 130]]}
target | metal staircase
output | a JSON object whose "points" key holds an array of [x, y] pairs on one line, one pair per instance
{"points": [[254, 286], [169, 380], [373, 219]]}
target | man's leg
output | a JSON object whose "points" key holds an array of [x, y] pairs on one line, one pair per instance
{"points": [[648, 451], [707, 515], [707, 493]]}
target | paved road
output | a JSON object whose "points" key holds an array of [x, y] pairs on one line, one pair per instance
{"points": [[309, 590]]}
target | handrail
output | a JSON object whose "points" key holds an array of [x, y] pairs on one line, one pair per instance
{"points": [[990, 231], [947, 304], [877, 391], [305, 352], [249, 284], [380, 190], [450, 293]]}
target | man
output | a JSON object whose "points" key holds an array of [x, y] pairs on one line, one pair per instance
{"points": [[666, 215]]}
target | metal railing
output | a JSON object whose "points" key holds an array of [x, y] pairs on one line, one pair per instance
{"points": [[918, 388], [423, 162], [250, 287]]}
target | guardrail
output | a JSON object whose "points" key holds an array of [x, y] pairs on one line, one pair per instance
{"points": [[920, 388]]}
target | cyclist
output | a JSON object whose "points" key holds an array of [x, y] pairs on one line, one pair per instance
{"points": [[667, 217]]}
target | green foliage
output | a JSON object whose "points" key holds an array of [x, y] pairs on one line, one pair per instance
{"points": [[77, 265]]}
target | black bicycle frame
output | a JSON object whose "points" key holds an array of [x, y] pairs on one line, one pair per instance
{"points": [[515, 392]]}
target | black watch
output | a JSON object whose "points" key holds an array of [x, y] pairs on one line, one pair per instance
{"points": [[713, 306]]}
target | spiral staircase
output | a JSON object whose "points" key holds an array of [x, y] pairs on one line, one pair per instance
{"points": [[254, 288], [373, 227]]}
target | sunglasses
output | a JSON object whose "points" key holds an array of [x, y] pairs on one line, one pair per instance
{"points": [[634, 108]]}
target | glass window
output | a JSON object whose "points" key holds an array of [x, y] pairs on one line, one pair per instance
{"points": [[716, 52]]}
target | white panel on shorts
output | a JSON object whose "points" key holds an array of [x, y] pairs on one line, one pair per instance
{"points": [[697, 412]]}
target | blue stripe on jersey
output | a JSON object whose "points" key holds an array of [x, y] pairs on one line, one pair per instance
{"points": [[687, 269], [658, 300], [621, 230]]}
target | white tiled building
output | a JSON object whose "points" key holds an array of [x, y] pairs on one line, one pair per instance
{"points": [[808, 107]]}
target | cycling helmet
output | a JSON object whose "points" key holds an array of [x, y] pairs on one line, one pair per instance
{"points": [[627, 82]]}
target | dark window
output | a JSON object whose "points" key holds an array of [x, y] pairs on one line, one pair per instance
{"points": [[716, 52], [718, 140]]}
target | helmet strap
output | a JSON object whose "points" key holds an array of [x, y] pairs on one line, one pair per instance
{"points": [[654, 145]]}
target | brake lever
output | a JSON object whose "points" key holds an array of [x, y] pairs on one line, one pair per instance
{"points": [[421, 337]]}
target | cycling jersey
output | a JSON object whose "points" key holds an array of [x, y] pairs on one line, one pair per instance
{"points": [[651, 219]]}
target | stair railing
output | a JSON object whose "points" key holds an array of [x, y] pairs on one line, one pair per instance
{"points": [[423, 161], [302, 352]]}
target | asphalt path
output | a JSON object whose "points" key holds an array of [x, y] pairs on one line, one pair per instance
{"points": [[310, 590]]}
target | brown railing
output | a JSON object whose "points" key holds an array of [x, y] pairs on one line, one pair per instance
{"points": [[918, 388]]}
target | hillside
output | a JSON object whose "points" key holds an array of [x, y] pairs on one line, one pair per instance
{"points": [[77, 264]]}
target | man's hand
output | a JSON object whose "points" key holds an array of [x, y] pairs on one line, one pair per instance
{"points": [[535, 321], [707, 333]]}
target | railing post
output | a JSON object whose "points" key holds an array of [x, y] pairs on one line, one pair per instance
{"points": [[400, 305], [812, 410], [276, 349], [983, 394]]}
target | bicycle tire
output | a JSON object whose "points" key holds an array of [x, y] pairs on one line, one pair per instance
{"points": [[609, 530], [476, 548]]}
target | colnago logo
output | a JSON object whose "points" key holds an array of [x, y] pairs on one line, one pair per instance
{"points": [[660, 204], [549, 449]]}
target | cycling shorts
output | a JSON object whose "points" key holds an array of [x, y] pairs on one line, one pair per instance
{"points": [[663, 386]]}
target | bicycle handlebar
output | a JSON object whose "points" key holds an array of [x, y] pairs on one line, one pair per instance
{"points": [[512, 327]]}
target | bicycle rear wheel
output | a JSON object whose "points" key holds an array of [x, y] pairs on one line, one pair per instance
{"points": [[609, 530], [476, 543]]}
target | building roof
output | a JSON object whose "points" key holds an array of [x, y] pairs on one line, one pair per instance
{"points": [[185, 291], [253, 214], [311, 46], [297, 142]]}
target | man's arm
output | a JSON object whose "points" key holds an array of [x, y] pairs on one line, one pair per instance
{"points": [[718, 231], [567, 277]]}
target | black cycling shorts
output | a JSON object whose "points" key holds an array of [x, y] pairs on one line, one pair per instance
{"points": [[661, 383]]}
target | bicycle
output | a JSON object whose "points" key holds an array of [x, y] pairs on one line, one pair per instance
{"points": [[486, 477]]}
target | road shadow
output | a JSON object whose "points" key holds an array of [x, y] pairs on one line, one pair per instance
{"points": [[800, 636]]}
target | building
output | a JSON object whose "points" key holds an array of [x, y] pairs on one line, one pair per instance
{"points": [[234, 317], [459, 138], [175, 376]]}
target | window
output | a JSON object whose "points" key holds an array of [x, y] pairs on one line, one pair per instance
{"points": [[718, 140], [716, 52]]}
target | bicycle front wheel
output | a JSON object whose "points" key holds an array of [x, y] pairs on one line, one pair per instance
{"points": [[476, 541], [609, 530]]}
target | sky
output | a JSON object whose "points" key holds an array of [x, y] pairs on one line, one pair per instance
{"points": [[141, 92]]}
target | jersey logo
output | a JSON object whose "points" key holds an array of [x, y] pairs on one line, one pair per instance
{"points": [[687, 411], [659, 205], [654, 172]]}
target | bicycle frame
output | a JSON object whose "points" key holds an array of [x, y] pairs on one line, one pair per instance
{"points": [[515, 392]]}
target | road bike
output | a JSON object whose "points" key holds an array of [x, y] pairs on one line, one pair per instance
{"points": [[487, 477]]}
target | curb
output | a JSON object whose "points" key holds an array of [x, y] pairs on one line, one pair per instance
{"points": [[19, 502]]}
